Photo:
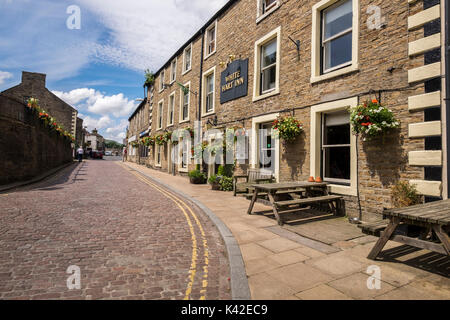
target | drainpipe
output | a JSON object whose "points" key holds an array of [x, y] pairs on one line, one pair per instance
{"points": [[447, 89], [199, 118]]}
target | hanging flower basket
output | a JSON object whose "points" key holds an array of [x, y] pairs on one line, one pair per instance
{"points": [[287, 128], [148, 141], [135, 144], [167, 136], [371, 119], [160, 140]]}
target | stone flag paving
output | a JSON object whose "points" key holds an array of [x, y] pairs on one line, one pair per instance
{"points": [[129, 239]]}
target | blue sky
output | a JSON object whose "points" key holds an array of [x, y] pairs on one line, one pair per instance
{"points": [[99, 68]]}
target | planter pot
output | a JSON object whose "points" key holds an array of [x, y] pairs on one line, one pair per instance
{"points": [[199, 180], [215, 186]]}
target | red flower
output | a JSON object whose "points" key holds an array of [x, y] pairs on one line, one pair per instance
{"points": [[374, 101]]}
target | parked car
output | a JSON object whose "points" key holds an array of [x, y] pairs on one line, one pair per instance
{"points": [[97, 154], [108, 153]]}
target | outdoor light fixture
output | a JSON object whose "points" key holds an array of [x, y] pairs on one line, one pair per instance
{"points": [[297, 44], [212, 122]]}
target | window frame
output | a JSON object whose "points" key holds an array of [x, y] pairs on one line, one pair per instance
{"points": [[316, 47], [181, 120], [158, 155], [181, 151], [207, 41], [173, 71], [206, 74], [160, 117], [276, 33], [171, 97], [184, 59], [260, 14], [162, 75], [316, 145]]}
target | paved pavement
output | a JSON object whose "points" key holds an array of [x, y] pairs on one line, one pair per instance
{"points": [[284, 265], [129, 238]]}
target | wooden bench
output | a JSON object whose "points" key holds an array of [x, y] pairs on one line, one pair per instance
{"points": [[254, 176], [374, 228], [336, 203]]}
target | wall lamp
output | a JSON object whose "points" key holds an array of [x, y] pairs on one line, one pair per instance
{"points": [[212, 122]]}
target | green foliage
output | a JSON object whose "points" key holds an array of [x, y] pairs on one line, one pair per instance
{"points": [[149, 78], [404, 195], [226, 184], [213, 179], [287, 128], [372, 119], [196, 174], [113, 145]]}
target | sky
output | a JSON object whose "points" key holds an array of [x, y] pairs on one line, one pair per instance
{"points": [[95, 60]]}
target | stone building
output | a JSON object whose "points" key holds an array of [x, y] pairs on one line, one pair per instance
{"points": [[33, 86], [140, 125], [94, 141], [312, 60]]}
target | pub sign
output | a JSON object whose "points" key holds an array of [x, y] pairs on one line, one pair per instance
{"points": [[234, 81]]}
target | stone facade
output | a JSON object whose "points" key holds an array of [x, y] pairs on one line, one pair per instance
{"points": [[94, 141], [33, 86], [27, 148], [380, 69]]}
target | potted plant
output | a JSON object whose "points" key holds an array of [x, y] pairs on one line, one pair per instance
{"points": [[196, 176], [371, 119], [214, 181], [149, 78], [287, 128]]}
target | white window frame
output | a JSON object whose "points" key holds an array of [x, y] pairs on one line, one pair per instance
{"points": [[180, 154], [316, 45], [206, 54], [158, 152], [162, 75], [316, 144], [181, 120], [160, 115], [206, 74], [254, 152], [171, 97], [257, 67], [184, 60], [172, 71], [260, 15]]}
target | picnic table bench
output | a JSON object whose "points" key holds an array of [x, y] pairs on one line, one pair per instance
{"points": [[433, 219], [301, 194], [254, 176]]}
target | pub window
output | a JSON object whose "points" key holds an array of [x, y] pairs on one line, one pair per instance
{"points": [[336, 147], [337, 30], [161, 81], [187, 59], [185, 100], [267, 65], [173, 74], [267, 5], [171, 109], [158, 155], [209, 89], [160, 114], [211, 40]]}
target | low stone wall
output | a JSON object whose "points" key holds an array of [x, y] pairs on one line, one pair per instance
{"points": [[27, 147]]}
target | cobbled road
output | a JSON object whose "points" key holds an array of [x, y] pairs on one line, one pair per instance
{"points": [[130, 239]]}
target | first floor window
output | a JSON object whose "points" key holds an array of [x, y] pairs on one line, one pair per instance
{"points": [[210, 93], [268, 66], [187, 59], [160, 115], [185, 107], [173, 74], [336, 147], [337, 26], [171, 108]]}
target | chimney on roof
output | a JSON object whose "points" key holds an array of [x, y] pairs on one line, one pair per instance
{"points": [[36, 79]]}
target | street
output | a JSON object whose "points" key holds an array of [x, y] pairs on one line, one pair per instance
{"points": [[130, 238]]}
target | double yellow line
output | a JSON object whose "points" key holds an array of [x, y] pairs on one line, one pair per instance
{"points": [[183, 206]]}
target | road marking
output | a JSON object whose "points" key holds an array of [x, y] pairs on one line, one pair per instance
{"points": [[180, 202]]}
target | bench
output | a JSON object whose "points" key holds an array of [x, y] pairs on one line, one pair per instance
{"points": [[374, 228], [336, 203], [254, 176]]}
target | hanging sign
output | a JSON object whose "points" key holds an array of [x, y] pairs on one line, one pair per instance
{"points": [[234, 81]]}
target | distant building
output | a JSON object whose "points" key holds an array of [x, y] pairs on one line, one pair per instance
{"points": [[33, 86], [94, 141]]}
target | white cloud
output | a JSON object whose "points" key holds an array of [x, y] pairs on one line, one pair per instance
{"points": [[5, 76], [92, 123], [95, 102]]}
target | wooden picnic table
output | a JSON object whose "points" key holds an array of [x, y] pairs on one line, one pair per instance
{"points": [[308, 193], [433, 216]]}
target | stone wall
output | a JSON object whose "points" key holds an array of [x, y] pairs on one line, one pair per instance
{"points": [[27, 148]]}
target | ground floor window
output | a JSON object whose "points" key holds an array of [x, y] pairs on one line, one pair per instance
{"points": [[266, 147], [184, 152], [158, 155], [144, 152], [336, 146]]}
